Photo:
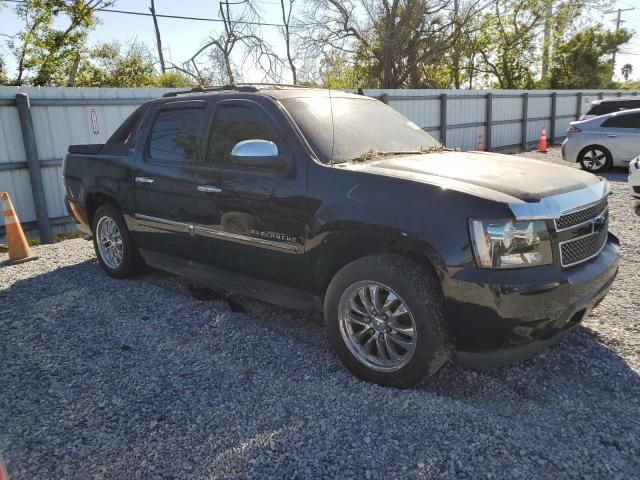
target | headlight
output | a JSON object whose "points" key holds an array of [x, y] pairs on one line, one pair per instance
{"points": [[510, 244]]}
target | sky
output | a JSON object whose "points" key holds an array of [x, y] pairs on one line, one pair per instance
{"points": [[181, 38]]}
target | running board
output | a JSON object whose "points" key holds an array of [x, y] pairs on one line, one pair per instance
{"points": [[231, 282]]}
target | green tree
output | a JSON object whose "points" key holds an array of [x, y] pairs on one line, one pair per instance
{"points": [[507, 42], [111, 65], [584, 60], [55, 32], [626, 70], [337, 71], [3, 73]]}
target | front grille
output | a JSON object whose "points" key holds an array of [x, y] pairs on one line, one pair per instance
{"points": [[583, 248], [578, 217]]}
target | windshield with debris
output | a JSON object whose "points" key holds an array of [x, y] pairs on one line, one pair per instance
{"points": [[361, 125]]}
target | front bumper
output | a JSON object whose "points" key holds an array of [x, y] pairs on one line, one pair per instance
{"points": [[502, 316]]}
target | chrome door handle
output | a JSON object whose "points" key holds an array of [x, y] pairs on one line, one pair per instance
{"points": [[611, 135], [209, 189], [144, 180]]}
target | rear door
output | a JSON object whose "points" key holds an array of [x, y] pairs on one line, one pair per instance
{"points": [[167, 179], [621, 134]]}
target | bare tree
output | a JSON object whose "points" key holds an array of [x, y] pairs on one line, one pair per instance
{"points": [[394, 39], [241, 36], [286, 32]]}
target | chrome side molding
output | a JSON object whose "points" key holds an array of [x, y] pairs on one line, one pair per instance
{"points": [[555, 206], [194, 230]]}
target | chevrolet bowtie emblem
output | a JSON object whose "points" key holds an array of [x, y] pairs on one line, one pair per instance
{"points": [[598, 221]]}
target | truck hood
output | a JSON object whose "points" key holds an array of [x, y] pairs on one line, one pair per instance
{"points": [[506, 178]]}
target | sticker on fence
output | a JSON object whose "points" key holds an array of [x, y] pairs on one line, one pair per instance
{"points": [[93, 120]]}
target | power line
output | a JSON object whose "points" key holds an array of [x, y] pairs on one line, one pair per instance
{"points": [[175, 17]]}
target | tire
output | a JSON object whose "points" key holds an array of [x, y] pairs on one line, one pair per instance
{"points": [[122, 260], [348, 318], [595, 159]]}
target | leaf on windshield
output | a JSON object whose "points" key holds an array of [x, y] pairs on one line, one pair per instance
{"points": [[371, 154]]}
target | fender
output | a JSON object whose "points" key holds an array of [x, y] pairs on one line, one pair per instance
{"points": [[339, 243]]}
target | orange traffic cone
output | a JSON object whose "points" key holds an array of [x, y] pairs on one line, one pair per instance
{"points": [[480, 145], [542, 144], [19, 250], [3, 470]]}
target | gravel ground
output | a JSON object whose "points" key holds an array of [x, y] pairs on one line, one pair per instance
{"points": [[104, 378]]}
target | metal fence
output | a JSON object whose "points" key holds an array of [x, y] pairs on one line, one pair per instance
{"points": [[38, 124], [508, 120]]}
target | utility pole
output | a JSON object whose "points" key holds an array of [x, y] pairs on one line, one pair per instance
{"points": [[546, 43], [152, 9], [456, 44], [618, 21]]}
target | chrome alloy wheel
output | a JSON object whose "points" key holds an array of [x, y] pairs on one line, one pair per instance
{"points": [[377, 326], [109, 242], [594, 159]]}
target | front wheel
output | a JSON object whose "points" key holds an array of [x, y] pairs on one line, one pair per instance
{"points": [[595, 159], [114, 246], [385, 320]]}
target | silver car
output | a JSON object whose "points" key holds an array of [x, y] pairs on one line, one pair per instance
{"points": [[604, 141]]}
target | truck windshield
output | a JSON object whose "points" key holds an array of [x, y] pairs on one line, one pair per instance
{"points": [[361, 125]]}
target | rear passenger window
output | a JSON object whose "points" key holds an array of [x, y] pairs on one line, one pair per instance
{"points": [[124, 133], [623, 121], [233, 124], [175, 135], [610, 107]]}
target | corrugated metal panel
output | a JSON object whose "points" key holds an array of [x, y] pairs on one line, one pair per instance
{"points": [[464, 138], [17, 183], [424, 113], [508, 134], [506, 108], [11, 147]]}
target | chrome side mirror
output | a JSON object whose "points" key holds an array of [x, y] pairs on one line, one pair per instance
{"points": [[255, 148], [261, 154]]}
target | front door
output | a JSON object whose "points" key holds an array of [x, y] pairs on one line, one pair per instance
{"points": [[261, 227]]}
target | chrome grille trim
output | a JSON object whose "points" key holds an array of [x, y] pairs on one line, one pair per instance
{"points": [[595, 209], [604, 233]]}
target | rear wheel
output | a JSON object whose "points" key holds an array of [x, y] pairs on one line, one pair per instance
{"points": [[114, 246], [595, 159], [385, 320]]}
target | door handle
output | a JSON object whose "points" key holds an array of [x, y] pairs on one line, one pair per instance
{"points": [[611, 135], [144, 180], [209, 189]]}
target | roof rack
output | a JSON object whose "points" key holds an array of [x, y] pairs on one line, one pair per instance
{"points": [[243, 87]]}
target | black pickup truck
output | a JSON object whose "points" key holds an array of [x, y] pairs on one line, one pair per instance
{"points": [[314, 199]]}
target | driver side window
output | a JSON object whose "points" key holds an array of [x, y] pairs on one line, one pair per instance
{"points": [[233, 124]]}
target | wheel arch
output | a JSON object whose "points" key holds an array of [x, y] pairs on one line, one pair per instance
{"points": [[341, 247], [94, 200]]}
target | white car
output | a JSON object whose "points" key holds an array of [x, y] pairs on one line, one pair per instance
{"points": [[605, 141], [634, 177], [610, 105]]}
